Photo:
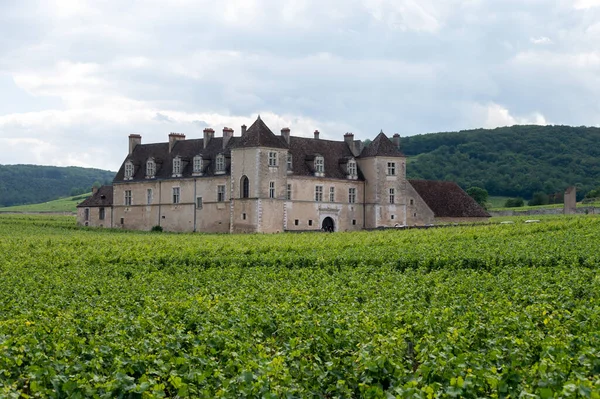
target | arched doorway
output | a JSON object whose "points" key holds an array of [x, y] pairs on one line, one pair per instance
{"points": [[328, 224]]}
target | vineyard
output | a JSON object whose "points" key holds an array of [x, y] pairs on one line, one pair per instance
{"points": [[500, 311]]}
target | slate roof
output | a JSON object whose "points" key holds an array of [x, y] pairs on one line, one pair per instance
{"points": [[102, 197], [381, 146], [259, 135], [335, 155], [447, 199]]}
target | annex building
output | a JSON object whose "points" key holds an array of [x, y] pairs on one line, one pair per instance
{"points": [[267, 183]]}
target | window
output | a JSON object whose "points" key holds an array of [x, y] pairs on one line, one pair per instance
{"points": [[296, 222], [101, 214], [176, 193], [412, 201], [351, 168], [220, 167], [289, 162], [245, 187], [392, 195], [86, 214], [319, 165], [288, 194], [199, 202], [128, 170], [177, 166], [150, 168], [310, 222], [353, 222], [128, 201], [271, 189], [318, 193], [393, 217], [221, 193], [197, 166], [243, 216], [352, 195], [391, 169], [331, 194], [272, 158], [149, 196]]}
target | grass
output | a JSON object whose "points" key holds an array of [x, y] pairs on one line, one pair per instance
{"points": [[67, 204]]}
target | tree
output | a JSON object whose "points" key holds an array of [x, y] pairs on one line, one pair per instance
{"points": [[480, 195], [514, 202], [539, 198]]}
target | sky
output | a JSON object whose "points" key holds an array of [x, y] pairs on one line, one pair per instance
{"points": [[77, 77]]}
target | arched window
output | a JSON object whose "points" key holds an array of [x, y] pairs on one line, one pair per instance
{"points": [[150, 168], [128, 170], [177, 166], [351, 169], [245, 187], [220, 166], [197, 164]]}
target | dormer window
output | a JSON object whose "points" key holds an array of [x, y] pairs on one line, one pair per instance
{"points": [[319, 166], [197, 165], [220, 165], [177, 166], [128, 170], [150, 169], [289, 162], [351, 169]]}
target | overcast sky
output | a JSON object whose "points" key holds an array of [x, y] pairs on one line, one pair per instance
{"points": [[77, 77]]}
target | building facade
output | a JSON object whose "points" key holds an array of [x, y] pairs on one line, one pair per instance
{"points": [[260, 182]]}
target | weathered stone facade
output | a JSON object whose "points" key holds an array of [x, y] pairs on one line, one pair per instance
{"points": [[262, 183]]}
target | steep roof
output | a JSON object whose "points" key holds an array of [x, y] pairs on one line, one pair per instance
{"points": [[335, 154], [102, 197], [447, 199], [381, 146], [259, 135]]}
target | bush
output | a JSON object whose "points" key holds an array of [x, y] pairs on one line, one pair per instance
{"points": [[514, 203], [156, 229], [539, 198]]}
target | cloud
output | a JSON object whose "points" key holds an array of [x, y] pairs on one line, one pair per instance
{"points": [[82, 75]]}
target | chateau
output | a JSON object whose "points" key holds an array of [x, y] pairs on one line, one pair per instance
{"points": [[266, 183]]}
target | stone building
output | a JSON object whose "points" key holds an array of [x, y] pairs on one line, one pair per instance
{"points": [[266, 183]]}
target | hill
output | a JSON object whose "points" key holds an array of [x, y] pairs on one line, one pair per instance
{"points": [[33, 184], [67, 204], [509, 161]]}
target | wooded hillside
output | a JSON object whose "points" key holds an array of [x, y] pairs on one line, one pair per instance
{"points": [[31, 184], [509, 161]]}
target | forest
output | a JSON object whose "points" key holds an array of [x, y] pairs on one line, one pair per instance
{"points": [[515, 161], [32, 184]]}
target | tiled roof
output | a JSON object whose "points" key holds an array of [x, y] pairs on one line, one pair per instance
{"points": [[382, 146], [186, 149], [259, 135], [335, 155], [447, 199], [102, 197]]}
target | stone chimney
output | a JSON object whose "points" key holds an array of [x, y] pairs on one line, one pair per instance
{"points": [[285, 133], [208, 135], [174, 137], [134, 139], [349, 139], [227, 135], [396, 141], [244, 130], [316, 134]]}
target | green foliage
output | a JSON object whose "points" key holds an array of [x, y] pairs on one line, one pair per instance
{"points": [[68, 204], [514, 203], [595, 193], [539, 198], [480, 195], [157, 229], [512, 161], [486, 311], [32, 184]]}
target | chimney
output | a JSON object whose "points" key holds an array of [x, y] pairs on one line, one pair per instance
{"points": [[227, 135], [396, 141], [243, 130], [208, 135], [316, 134], [285, 133], [349, 139], [174, 137], [134, 139]]}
